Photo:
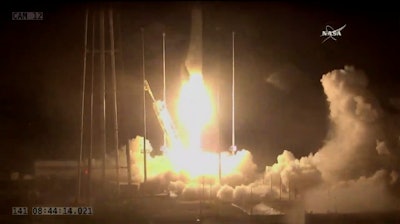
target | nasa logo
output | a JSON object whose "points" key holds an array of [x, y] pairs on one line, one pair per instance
{"points": [[331, 33]]}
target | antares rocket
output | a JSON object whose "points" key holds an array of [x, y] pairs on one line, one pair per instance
{"points": [[194, 57], [193, 64]]}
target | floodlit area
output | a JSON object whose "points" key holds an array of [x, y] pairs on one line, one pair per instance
{"points": [[201, 112]]}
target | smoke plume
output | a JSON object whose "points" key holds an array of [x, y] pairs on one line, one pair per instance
{"points": [[356, 169], [356, 177]]}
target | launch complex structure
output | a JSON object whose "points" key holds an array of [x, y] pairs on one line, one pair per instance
{"points": [[95, 26]]}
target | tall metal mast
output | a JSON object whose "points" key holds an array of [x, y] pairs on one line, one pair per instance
{"points": [[103, 95], [164, 86], [144, 110], [233, 93], [89, 176], [114, 82], [83, 108], [219, 132], [121, 53]]}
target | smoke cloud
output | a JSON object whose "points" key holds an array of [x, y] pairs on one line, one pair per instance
{"points": [[356, 169], [225, 193], [359, 195], [355, 176], [298, 174], [350, 151]]}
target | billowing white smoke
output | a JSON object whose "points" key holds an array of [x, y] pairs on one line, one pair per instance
{"points": [[296, 175], [358, 195], [176, 186], [353, 163], [381, 148], [350, 151], [245, 172], [225, 193], [353, 171], [160, 168]]}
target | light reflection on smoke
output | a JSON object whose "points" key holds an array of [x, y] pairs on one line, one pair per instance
{"points": [[349, 172]]}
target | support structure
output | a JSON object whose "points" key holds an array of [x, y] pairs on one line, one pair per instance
{"points": [[90, 156], [219, 133], [103, 96], [98, 65], [78, 197], [144, 111], [120, 50], [233, 147], [128, 162], [280, 187], [218, 96], [164, 86], [270, 185], [114, 84]]}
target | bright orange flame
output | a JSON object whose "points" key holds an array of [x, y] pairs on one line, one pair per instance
{"points": [[195, 112], [195, 109]]}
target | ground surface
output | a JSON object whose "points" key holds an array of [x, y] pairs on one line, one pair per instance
{"points": [[152, 210]]}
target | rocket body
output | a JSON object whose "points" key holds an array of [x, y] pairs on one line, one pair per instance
{"points": [[194, 57]]}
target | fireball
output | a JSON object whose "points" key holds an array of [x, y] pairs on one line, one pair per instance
{"points": [[190, 160], [195, 112]]}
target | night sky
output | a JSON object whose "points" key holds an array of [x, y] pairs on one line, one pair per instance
{"points": [[280, 59]]}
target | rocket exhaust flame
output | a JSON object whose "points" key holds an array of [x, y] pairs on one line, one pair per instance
{"points": [[189, 159], [195, 109], [195, 112]]}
